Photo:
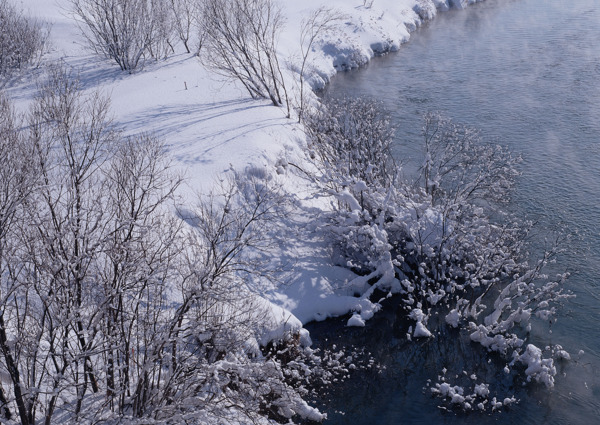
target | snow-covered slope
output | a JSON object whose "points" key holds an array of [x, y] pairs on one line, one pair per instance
{"points": [[211, 126]]}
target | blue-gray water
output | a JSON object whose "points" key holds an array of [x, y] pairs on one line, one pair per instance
{"points": [[527, 73]]}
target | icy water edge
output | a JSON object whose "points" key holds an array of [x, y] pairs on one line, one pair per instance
{"points": [[527, 73]]}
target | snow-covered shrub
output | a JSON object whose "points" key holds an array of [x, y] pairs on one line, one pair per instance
{"points": [[22, 41], [478, 399], [459, 167], [351, 140], [126, 31], [444, 242]]}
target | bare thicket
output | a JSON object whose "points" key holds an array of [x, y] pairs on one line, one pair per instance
{"points": [[127, 32], [22, 41], [113, 307], [141, 251], [240, 42]]}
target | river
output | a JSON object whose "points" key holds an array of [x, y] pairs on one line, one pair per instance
{"points": [[527, 73]]}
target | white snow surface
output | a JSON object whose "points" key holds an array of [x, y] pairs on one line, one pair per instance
{"points": [[538, 368], [453, 318], [211, 126]]}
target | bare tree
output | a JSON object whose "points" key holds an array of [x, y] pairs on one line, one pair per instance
{"points": [[125, 31], [186, 17], [241, 43], [141, 245], [85, 267], [22, 41], [74, 139], [56, 237], [319, 21], [17, 182], [162, 30]]}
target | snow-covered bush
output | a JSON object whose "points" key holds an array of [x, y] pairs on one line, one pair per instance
{"points": [[351, 140], [22, 41], [126, 31], [458, 167], [444, 243], [477, 399]]}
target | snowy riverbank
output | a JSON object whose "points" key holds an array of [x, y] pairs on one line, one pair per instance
{"points": [[211, 126], [252, 264]]}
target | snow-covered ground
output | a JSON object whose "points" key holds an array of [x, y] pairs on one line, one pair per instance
{"points": [[211, 126]]}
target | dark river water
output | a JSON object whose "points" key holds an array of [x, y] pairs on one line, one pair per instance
{"points": [[527, 73]]}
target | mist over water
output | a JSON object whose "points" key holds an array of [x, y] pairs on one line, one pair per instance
{"points": [[527, 73]]}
